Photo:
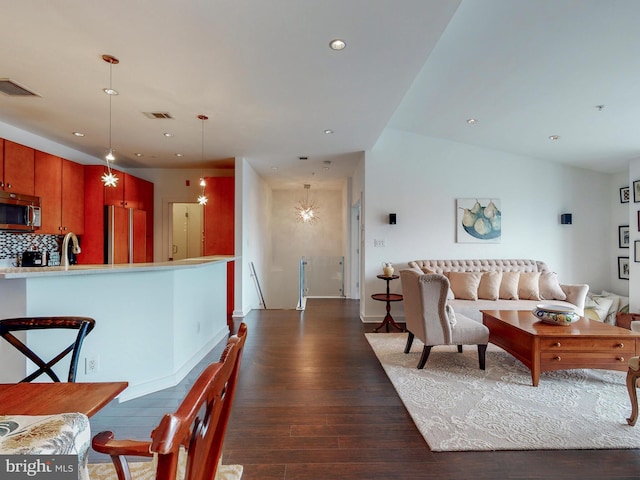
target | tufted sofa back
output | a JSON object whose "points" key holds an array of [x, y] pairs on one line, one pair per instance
{"points": [[490, 265]]}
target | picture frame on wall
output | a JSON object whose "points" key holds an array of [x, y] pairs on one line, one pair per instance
{"points": [[624, 195], [636, 251], [636, 191], [639, 220], [623, 236], [623, 268]]}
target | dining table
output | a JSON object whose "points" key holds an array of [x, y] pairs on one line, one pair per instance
{"points": [[51, 421], [57, 397]]}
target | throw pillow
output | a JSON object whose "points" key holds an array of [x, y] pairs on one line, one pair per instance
{"points": [[528, 286], [623, 303], [465, 284], [428, 271], [489, 288], [613, 309], [451, 316], [550, 287], [509, 285], [596, 307]]}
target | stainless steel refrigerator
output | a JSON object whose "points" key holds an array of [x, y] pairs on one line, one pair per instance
{"points": [[125, 235]]}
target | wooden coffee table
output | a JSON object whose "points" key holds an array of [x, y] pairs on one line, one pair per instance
{"points": [[543, 347]]}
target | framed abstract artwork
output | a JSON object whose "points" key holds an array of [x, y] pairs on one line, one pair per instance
{"points": [[623, 236], [636, 191], [636, 251], [479, 220], [624, 195], [623, 268]]}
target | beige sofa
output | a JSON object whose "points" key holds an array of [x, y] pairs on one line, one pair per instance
{"points": [[517, 284]]}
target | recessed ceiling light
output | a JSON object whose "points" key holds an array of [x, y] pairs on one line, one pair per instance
{"points": [[337, 44], [554, 137], [178, 154], [167, 134], [472, 121], [78, 134], [110, 91], [328, 131], [275, 169], [138, 154]]}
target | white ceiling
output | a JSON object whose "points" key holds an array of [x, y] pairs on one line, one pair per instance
{"points": [[263, 73]]}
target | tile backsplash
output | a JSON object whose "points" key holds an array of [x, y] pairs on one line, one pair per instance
{"points": [[12, 244]]}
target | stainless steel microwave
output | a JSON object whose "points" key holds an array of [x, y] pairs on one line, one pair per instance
{"points": [[20, 213]]}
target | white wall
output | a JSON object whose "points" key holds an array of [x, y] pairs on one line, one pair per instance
{"points": [[419, 179], [290, 240], [633, 284], [253, 241]]}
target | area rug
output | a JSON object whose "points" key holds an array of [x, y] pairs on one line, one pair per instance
{"points": [[457, 407]]}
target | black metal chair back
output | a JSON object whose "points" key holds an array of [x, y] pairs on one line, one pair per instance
{"points": [[84, 325]]}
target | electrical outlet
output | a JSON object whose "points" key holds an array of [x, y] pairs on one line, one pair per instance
{"points": [[91, 365]]}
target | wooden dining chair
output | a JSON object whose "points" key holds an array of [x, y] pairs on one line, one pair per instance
{"points": [[84, 325], [193, 435]]}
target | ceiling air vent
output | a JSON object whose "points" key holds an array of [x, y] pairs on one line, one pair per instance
{"points": [[158, 115], [9, 87]]}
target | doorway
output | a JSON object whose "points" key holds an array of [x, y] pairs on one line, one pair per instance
{"points": [[186, 231]]}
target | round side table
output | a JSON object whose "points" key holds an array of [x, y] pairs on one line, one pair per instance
{"points": [[388, 297]]}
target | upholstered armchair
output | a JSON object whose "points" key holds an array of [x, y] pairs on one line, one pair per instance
{"points": [[429, 318]]}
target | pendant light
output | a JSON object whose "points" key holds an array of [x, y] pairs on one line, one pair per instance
{"points": [[109, 178], [306, 211], [202, 199]]}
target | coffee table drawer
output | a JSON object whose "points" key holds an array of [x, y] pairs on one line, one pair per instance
{"points": [[562, 360], [612, 345]]}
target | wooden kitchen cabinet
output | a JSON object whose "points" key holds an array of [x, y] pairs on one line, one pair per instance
{"points": [[18, 168], [130, 192], [219, 226], [60, 185]]}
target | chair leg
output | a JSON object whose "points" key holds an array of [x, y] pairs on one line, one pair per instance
{"points": [[632, 377], [425, 355], [407, 348], [482, 353], [459, 348]]}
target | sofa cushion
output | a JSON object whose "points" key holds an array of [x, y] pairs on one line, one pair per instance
{"points": [[596, 307], [509, 285], [623, 302], [489, 288], [465, 284], [550, 287], [528, 286]]}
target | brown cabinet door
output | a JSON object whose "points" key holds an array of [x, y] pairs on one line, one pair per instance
{"points": [[139, 236], [115, 195], [132, 192], [2, 164], [219, 216], [19, 168], [48, 186], [72, 197]]}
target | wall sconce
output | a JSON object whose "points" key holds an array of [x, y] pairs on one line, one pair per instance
{"points": [[565, 219]]}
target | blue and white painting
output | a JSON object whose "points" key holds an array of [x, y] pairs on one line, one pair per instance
{"points": [[479, 220]]}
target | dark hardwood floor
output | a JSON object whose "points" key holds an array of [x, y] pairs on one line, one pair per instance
{"points": [[314, 403]]}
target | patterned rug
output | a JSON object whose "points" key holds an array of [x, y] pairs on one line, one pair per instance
{"points": [[456, 406]]}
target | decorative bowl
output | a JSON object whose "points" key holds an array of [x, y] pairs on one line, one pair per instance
{"points": [[556, 314]]}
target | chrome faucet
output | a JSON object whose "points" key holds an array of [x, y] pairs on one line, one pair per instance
{"points": [[75, 247]]}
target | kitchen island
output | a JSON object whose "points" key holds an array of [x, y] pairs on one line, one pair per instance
{"points": [[154, 321]]}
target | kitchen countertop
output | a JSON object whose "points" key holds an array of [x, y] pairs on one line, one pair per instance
{"points": [[32, 272]]}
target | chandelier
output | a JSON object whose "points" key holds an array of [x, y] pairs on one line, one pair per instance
{"points": [[109, 178], [202, 198], [307, 211]]}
